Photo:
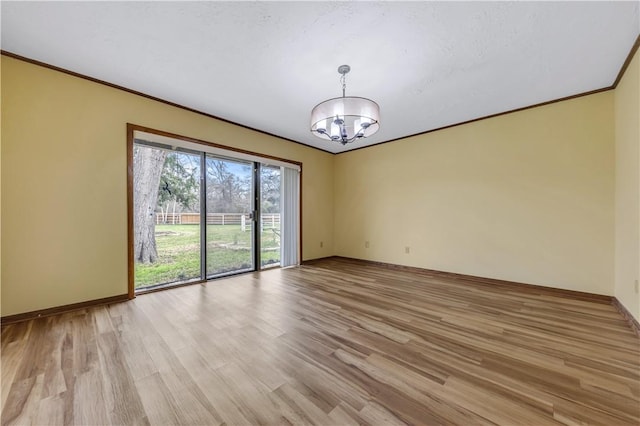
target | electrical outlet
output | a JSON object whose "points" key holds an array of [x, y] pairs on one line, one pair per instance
{"points": [[321, 244], [366, 244], [635, 286], [407, 250]]}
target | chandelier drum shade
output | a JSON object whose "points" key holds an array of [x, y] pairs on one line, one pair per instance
{"points": [[346, 118]]}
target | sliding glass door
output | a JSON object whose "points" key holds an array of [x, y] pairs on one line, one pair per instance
{"points": [[270, 214], [199, 215], [230, 216], [166, 216]]}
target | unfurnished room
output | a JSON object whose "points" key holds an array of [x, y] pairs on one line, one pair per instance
{"points": [[326, 213]]}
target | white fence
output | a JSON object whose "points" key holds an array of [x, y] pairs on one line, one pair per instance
{"points": [[269, 220]]}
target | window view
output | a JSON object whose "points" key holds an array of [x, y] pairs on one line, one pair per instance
{"points": [[166, 210], [200, 215], [270, 188]]}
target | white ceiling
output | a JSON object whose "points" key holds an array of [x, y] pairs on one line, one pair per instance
{"points": [[266, 64]]}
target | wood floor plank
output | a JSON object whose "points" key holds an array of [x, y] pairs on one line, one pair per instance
{"points": [[301, 410], [50, 411], [214, 388], [375, 414], [158, 400], [23, 401], [89, 405], [345, 415], [336, 342], [11, 359], [122, 401], [249, 396]]}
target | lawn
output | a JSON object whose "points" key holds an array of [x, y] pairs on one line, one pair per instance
{"points": [[228, 249]]}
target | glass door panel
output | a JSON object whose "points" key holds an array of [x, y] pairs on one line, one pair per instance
{"points": [[270, 190], [229, 207], [166, 216]]}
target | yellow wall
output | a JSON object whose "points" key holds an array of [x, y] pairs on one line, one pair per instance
{"points": [[627, 188], [64, 183], [526, 197]]}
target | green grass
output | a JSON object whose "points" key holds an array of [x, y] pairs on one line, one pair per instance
{"points": [[228, 249]]}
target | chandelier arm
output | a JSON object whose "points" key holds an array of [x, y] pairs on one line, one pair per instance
{"points": [[343, 138]]}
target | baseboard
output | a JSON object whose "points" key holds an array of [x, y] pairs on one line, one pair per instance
{"points": [[318, 259], [26, 316], [512, 285], [633, 323]]}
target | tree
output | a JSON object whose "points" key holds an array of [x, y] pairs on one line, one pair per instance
{"points": [[178, 184], [226, 191], [147, 169], [270, 189]]}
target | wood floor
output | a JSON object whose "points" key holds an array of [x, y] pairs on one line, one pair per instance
{"points": [[333, 343]]}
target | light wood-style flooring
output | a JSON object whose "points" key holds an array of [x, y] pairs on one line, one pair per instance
{"points": [[332, 343]]}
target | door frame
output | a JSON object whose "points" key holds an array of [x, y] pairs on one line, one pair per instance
{"points": [[131, 129]]}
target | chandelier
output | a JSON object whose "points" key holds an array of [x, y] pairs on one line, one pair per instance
{"points": [[347, 118]]}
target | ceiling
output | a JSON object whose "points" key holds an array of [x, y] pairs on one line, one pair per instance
{"points": [[265, 65]]}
